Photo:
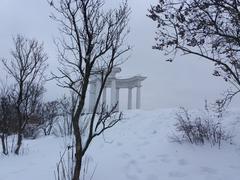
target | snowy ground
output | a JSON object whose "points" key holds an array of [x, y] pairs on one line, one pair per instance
{"points": [[137, 149]]}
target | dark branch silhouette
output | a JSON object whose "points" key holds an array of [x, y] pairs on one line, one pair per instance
{"points": [[92, 43], [205, 28]]}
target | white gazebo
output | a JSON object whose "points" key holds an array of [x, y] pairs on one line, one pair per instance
{"points": [[115, 84]]}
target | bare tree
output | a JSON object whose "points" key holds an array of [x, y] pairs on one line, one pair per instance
{"points": [[206, 28], [26, 67], [4, 127], [7, 117], [66, 108], [48, 113], [92, 42]]}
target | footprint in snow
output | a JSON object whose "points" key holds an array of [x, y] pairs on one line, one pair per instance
{"points": [[132, 170], [152, 177], [119, 144], [154, 132], [182, 162], [125, 155], [176, 174], [153, 161], [133, 162], [144, 143], [162, 155], [142, 157], [164, 158], [143, 137], [208, 170], [135, 165], [131, 177]]}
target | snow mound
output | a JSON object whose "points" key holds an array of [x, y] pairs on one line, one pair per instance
{"points": [[138, 148]]}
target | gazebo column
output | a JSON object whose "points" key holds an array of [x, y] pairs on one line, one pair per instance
{"points": [[129, 98], [113, 93], [104, 97], [117, 99], [98, 87], [92, 95], [138, 97]]}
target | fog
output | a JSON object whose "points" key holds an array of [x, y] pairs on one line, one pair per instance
{"points": [[187, 81]]}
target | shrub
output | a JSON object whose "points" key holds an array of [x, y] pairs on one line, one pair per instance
{"points": [[199, 130]]}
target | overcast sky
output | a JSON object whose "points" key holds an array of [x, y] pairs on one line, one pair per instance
{"points": [[185, 82]]}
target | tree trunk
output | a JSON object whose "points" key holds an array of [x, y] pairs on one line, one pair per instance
{"points": [[78, 164], [19, 137], [19, 143], [77, 133], [4, 148], [78, 149]]}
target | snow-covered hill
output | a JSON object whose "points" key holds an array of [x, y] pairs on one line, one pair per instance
{"points": [[136, 149]]}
